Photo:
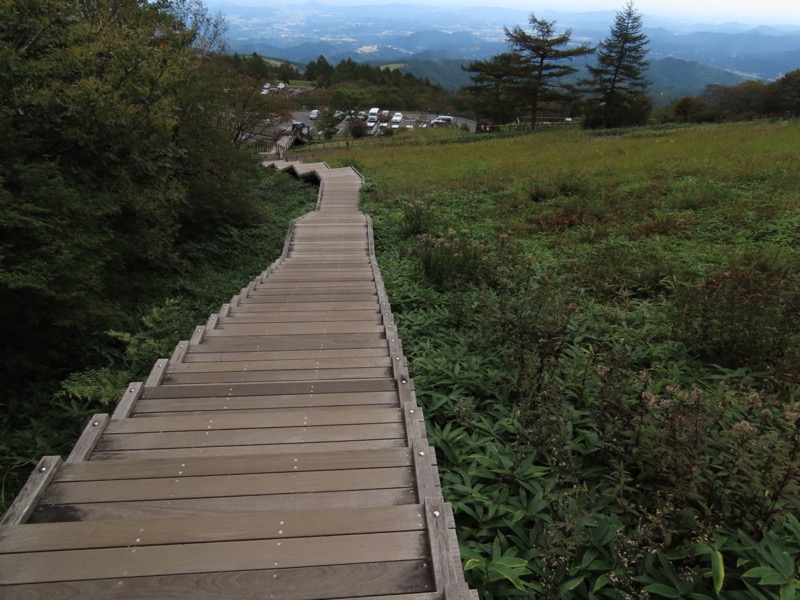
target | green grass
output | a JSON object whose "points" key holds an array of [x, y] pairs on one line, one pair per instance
{"points": [[602, 331]]}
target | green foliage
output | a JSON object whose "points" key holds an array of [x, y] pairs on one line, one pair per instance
{"points": [[453, 260], [355, 85], [44, 413], [617, 81], [417, 217], [608, 422]]}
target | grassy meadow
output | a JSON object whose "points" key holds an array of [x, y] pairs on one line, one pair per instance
{"points": [[603, 332]]}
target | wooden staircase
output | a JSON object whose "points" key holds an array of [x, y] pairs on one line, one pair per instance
{"points": [[278, 453]]}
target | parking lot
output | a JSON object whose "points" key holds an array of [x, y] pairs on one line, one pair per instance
{"points": [[412, 120]]}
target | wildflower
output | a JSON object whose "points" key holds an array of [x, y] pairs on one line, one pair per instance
{"points": [[766, 415], [753, 400], [602, 370], [744, 429]]}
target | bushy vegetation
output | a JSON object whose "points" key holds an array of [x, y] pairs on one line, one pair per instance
{"points": [[372, 86], [44, 415], [125, 189], [602, 333]]}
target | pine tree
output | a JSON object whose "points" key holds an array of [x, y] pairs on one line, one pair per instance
{"points": [[544, 57], [618, 80], [493, 83]]}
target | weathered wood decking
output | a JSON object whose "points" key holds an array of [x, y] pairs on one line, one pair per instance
{"points": [[278, 454]]}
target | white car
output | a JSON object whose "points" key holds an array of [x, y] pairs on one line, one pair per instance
{"points": [[313, 114], [281, 85], [397, 117], [443, 120]]}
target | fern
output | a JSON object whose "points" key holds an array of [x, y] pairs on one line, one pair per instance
{"points": [[94, 386]]}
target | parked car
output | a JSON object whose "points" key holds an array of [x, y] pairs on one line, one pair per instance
{"points": [[281, 85], [397, 117], [313, 114], [362, 114], [442, 120]]}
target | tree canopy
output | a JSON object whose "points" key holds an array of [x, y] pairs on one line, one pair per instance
{"points": [[118, 150], [617, 81], [545, 58]]}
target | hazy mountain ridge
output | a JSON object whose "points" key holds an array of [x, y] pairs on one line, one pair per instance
{"points": [[436, 41]]}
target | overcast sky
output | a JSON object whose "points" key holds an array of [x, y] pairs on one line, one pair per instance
{"points": [[757, 12], [720, 11]]}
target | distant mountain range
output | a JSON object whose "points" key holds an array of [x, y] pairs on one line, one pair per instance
{"points": [[435, 42]]}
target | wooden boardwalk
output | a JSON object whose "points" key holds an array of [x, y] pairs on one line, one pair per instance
{"points": [[277, 454]]}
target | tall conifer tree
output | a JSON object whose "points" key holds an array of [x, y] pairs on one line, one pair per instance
{"points": [[618, 80], [545, 56]]}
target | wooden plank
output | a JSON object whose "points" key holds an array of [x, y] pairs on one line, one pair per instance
{"points": [[321, 285], [197, 336], [365, 581], [38, 537], [181, 348], [311, 272], [260, 307], [220, 486], [285, 376], [266, 450], [148, 561], [311, 297], [199, 357], [289, 417], [291, 343], [211, 507], [443, 570], [157, 372], [128, 401], [294, 329], [257, 403], [28, 497], [270, 388], [237, 465], [366, 316], [88, 441], [425, 474], [247, 437], [280, 365]]}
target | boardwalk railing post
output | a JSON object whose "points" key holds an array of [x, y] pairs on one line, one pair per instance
{"points": [[88, 441], [25, 502]]}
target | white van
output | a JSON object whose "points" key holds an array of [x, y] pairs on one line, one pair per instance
{"points": [[372, 116]]}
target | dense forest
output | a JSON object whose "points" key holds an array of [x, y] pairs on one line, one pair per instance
{"points": [[122, 172]]}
